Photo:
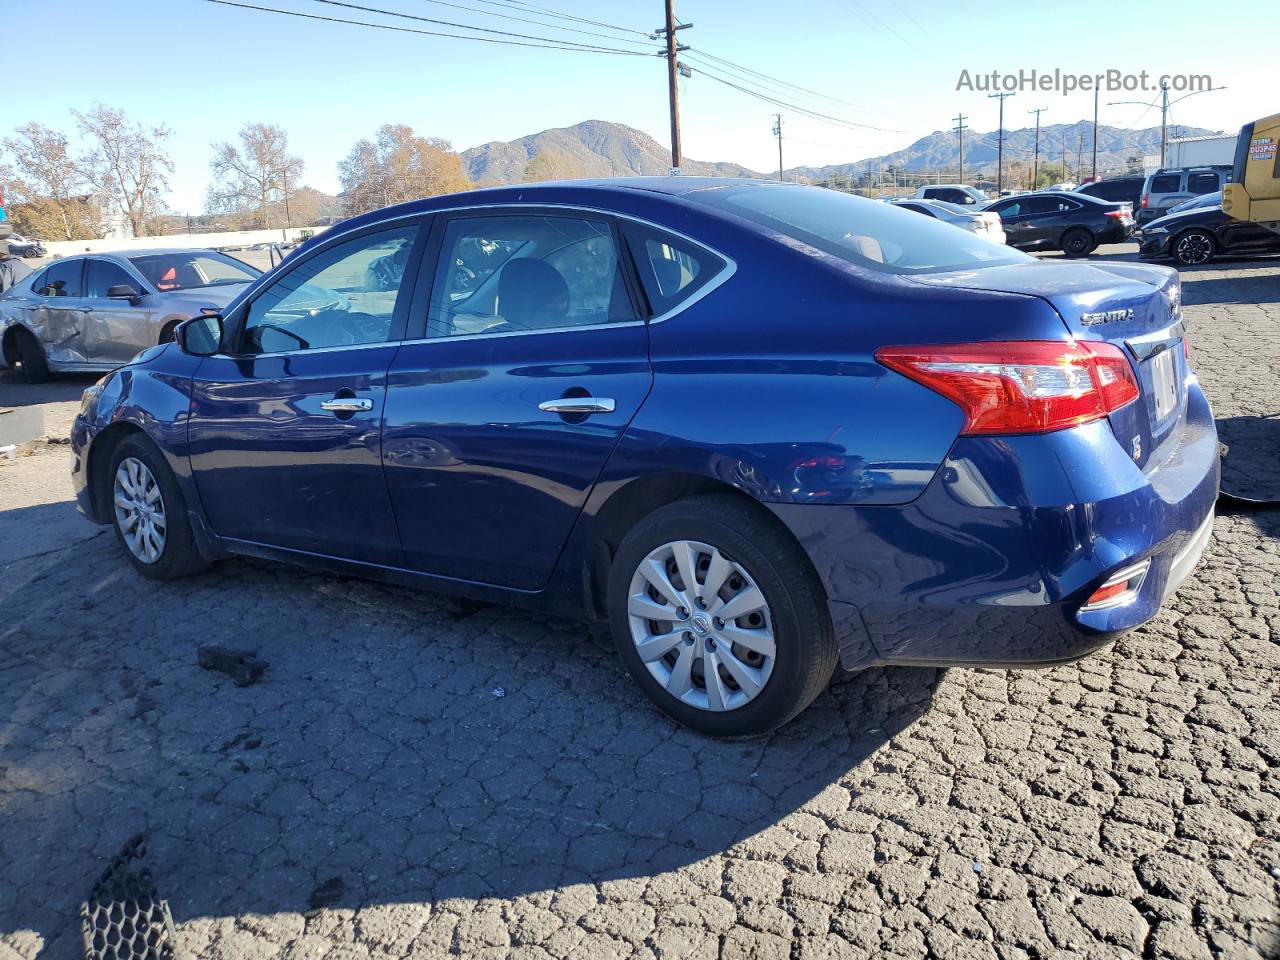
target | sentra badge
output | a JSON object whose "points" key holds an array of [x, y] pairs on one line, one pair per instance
{"points": [[1106, 316]]}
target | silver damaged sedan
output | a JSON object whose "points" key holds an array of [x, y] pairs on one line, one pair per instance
{"points": [[95, 312]]}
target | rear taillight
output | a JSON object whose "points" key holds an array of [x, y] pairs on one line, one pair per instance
{"points": [[1118, 214], [1146, 200], [1031, 386]]}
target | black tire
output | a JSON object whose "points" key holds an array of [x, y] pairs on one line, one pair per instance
{"points": [[179, 556], [1077, 242], [805, 655], [1194, 247], [34, 365]]}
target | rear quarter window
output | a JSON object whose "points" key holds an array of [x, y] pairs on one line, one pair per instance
{"points": [[672, 269], [1166, 183]]}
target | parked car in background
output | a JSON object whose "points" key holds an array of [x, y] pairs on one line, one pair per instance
{"points": [[1195, 236], [20, 246], [982, 222], [94, 312], [579, 397], [1071, 222], [958, 193], [1116, 189], [1195, 203], [1165, 189]]}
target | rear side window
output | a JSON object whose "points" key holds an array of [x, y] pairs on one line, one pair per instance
{"points": [[103, 275], [61, 280], [1166, 183], [671, 269], [1199, 183], [876, 236]]}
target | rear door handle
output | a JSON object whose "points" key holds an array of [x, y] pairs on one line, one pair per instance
{"points": [[579, 405], [347, 405]]}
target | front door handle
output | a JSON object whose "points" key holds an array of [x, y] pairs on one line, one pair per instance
{"points": [[347, 405], [578, 405]]}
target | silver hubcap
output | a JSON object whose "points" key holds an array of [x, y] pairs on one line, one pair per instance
{"points": [[139, 510], [1193, 249], [701, 626]]}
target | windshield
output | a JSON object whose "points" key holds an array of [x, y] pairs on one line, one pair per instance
{"points": [[197, 268], [878, 236]]}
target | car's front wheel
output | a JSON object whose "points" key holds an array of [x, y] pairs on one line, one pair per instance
{"points": [[1194, 248], [149, 514], [719, 617]]}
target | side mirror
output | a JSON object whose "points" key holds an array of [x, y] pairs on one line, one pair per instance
{"points": [[200, 336], [122, 291]]}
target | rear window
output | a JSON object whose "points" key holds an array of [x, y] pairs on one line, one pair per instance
{"points": [[878, 236], [1166, 183], [1199, 183]]}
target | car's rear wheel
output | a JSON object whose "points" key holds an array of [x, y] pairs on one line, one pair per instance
{"points": [[33, 364], [1077, 242], [149, 514], [1194, 248], [719, 617]]}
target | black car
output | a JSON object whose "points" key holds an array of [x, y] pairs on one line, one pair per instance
{"points": [[1193, 237], [1071, 222], [1116, 189]]}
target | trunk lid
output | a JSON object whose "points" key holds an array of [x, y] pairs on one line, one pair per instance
{"points": [[1137, 307]]}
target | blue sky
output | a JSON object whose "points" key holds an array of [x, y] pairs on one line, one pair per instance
{"points": [[205, 70]]}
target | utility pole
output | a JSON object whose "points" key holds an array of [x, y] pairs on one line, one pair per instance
{"points": [[777, 132], [1035, 166], [1164, 119], [1095, 134], [1065, 178], [960, 129], [1080, 155], [1000, 142], [673, 71]]}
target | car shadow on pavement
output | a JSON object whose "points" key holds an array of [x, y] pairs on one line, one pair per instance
{"points": [[400, 749], [1251, 467], [16, 392]]}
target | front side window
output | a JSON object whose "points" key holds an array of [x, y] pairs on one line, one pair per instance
{"points": [[519, 273], [61, 280], [344, 296], [102, 275], [190, 269], [877, 236]]}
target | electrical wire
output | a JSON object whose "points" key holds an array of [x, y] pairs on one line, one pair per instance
{"points": [[539, 23], [459, 26], [814, 114], [547, 11], [557, 45]]}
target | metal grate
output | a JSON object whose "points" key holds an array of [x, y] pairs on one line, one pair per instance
{"points": [[123, 919]]}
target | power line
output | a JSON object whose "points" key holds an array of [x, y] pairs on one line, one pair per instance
{"points": [[555, 45], [547, 11], [817, 115], [540, 23], [458, 26]]}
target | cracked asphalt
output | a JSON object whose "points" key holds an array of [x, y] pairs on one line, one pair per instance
{"points": [[417, 777]]}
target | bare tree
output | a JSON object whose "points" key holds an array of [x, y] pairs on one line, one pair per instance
{"points": [[126, 162], [397, 165], [257, 175], [46, 183]]}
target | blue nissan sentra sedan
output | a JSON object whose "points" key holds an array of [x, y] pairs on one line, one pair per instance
{"points": [[755, 429]]}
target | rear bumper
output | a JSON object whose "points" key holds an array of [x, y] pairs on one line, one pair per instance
{"points": [[992, 563]]}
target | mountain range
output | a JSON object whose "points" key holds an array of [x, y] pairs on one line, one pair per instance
{"points": [[598, 148]]}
